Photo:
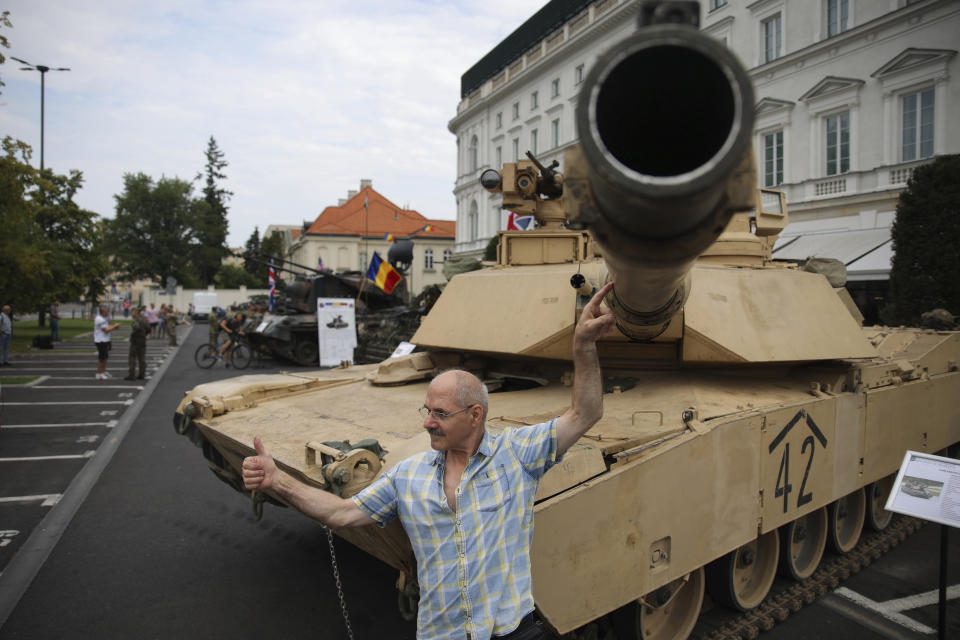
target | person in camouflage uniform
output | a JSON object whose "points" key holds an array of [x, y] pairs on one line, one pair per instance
{"points": [[213, 321], [171, 326], [139, 328]]}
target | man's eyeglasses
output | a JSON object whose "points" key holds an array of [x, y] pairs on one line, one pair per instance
{"points": [[439, 415]]}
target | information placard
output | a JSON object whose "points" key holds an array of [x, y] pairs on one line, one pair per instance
{"points": [[927, 487], [337, 330]]}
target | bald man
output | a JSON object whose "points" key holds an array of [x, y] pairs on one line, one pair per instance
{"points": [[467, 506]]}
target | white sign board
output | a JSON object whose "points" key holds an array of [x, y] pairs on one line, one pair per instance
{"points": [[336, 330], [927, 487]]}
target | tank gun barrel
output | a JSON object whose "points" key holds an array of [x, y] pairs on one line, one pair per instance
{"points": [[665, 119]]}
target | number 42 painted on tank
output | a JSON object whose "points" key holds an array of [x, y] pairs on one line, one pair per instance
{"points": [[797, 443]]}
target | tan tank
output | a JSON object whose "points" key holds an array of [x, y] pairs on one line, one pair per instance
{"points": [[749, 419]]}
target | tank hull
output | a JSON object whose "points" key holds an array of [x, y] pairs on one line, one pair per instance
{"points": [[761, 446]]}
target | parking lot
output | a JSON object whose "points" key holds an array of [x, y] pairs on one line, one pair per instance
{"points": [[51, 427]]}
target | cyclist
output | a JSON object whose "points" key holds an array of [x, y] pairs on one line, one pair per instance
{"points": [[231, 326]]}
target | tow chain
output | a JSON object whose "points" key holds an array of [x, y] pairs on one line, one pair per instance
{"points": [[336, 577]]}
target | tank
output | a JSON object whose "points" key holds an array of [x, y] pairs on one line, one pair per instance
{"points": [[290, 332], [750, 420]]}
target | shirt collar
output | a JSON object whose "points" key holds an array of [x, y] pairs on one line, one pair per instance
{"points": [[486, 448]]}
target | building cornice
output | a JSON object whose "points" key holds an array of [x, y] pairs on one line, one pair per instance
{"points": [[868, 30]]}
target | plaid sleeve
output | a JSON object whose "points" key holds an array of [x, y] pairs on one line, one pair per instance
{"points": [[379, 499], [535, 446]]}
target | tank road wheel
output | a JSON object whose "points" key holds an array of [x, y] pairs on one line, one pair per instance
{"points": [[802, 543], [846, 517], [672, 610], [879, 518], [742, 578], [306, 353], [664, 614]]}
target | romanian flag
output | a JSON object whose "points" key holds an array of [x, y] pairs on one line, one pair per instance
{"points": [[388, 237], [428, 227], [382, 274]]}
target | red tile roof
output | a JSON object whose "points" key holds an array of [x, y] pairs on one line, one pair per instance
{"points": [[381, 217]]}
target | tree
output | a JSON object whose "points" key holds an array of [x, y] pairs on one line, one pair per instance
{"points": [[926, 234], [50, 248], [272, 245], [211, 227], [252, 249], [153, 229], [231, 276], [4, 43]]}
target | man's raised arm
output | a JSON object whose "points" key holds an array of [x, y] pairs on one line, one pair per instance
{"points": [[260, 472], [587, 406]]}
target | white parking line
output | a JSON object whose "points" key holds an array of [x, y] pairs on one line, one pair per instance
{"points": [[33, 404], [46, 500], [94, 385], [921, 599], [86, 454], [884, 610], [56, 426]]}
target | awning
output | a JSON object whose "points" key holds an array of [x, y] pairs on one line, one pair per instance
{"points": [[867, 253]]}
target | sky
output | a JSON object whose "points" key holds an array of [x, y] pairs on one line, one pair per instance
{"points": [[304, 98]]}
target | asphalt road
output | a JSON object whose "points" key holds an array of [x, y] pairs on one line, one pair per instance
{"points": [[157, 547]]}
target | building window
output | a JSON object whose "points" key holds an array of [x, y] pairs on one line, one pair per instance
{"points": [[838, 143], [533, 141], [773, 159], [772, 39], [499, 158], [555, 88], [474, 144], [428, 259], [363, 261], [516, 110], [918, 125], [534, 100], [499, 119], [716, 4], [555, 130], [578, 74], [447, 254], [472, 220], [516, 149], [837, 13]]}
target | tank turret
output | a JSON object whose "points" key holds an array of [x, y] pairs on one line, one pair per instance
{"points": [[749, 420]]}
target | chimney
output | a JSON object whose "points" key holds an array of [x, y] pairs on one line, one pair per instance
{"points": [[341, 202], [351, 193], [365, 182]]}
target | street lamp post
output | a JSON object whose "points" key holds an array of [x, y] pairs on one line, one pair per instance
{"points": [[43, 72]]}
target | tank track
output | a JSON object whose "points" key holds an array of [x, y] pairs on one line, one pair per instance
{"points": [[777, 607]]}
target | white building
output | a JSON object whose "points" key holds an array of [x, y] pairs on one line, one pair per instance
{"points": [[851, 96]]}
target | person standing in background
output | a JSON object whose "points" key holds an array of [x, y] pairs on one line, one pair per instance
{"points": [[171, 326], [55, 321], [6, 335], [101, 338], [138, 346], [213, 322]]}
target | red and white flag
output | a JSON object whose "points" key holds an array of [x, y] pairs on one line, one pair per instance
{"points": [[519, 223]]}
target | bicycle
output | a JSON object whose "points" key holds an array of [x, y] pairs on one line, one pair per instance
{"points": [[239, 354]]}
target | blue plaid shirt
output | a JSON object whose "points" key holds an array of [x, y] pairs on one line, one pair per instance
{"points": [[473, 564]]}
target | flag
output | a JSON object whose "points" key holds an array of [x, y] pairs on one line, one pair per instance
{"points": [[518, 223], [272, 284], [427, 227], [388, 237], [382, 274]]}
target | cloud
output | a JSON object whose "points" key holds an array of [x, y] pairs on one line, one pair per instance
{"points": [[304, 98]]}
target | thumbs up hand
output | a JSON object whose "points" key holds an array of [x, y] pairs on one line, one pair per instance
{"points": [[259, 470]]}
